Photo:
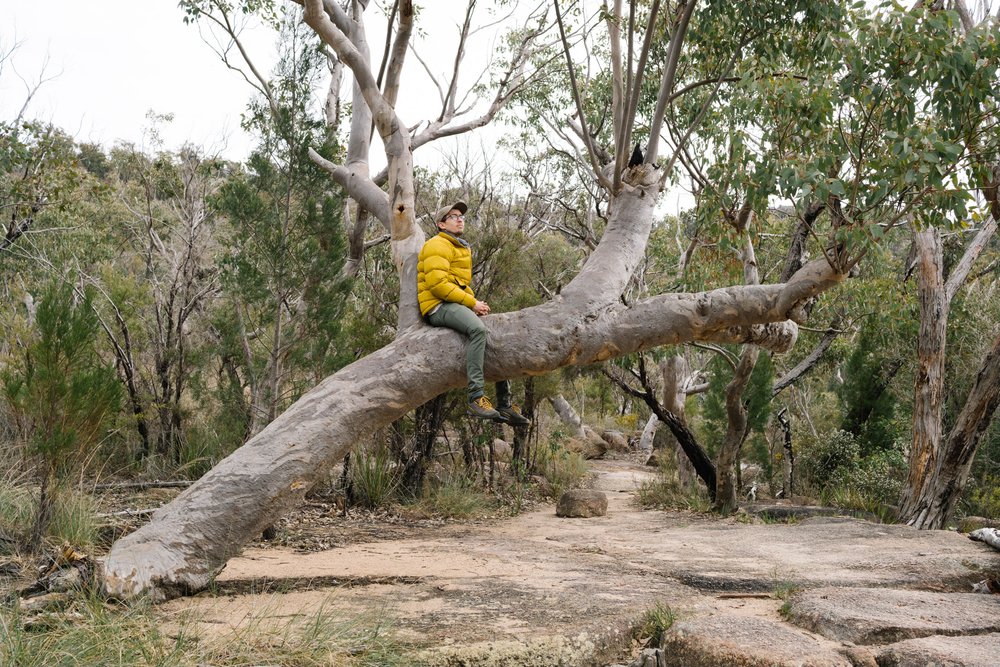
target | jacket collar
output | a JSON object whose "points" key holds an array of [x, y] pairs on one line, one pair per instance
{"points": [[455, 240]]}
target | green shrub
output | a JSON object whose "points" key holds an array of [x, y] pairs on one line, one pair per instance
{"points": [[827, 459], [457, 497], [73, 518], [374, 478], [63, 391], [561, 468], [983, 498], [654, 624]]}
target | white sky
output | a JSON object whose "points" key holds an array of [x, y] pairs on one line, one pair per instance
{"points": [[115, 60]]}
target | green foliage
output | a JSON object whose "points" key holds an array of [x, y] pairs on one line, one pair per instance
{"points": [[869, 407], [562, 469], [63, 387], [62, 391], [374, 478], [756, 397], [846, 478], [983, 498], [284, 250], [823, 461], [652, 627]]}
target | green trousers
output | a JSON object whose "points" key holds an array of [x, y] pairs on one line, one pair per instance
{"points": [[460, 318]]}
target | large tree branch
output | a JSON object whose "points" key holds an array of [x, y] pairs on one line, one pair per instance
{"points": [[383, 113], [360, 189], [399, 48], [588, 140], [667, 82], [188, 541], [961, 270]]}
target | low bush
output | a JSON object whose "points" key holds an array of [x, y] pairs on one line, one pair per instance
{"points": [[374, 478], [562, 469], [73, 518]]}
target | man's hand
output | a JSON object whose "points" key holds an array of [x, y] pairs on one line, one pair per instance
{"points": [[481, 308]]}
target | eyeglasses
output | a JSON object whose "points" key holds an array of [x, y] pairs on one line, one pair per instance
{"points": [[455, 217]]}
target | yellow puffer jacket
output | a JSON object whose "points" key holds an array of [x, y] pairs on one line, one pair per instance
{"points": [[444, 271]]}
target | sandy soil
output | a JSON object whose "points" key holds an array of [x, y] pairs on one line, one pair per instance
{"points": [[538, 585]]}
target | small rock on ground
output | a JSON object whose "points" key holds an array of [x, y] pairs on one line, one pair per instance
{"points": [[582, 503]]}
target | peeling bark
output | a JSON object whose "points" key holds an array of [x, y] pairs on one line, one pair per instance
{"points": [[941, 491]]}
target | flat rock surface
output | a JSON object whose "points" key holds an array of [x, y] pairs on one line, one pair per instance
{"points": [[879, 616], [540, 590], [738, 640], [976, 651]]}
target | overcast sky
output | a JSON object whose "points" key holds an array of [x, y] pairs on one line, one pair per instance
{"points": [[112, 61], [115, 60]]}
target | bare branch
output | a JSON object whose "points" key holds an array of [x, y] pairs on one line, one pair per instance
{"points": [[361, 189], [624, 140], [585, 132]]}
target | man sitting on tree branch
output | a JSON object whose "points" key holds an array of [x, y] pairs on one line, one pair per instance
{"points": [[444, 275]]}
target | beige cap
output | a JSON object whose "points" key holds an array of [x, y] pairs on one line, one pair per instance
{"points": [[442, 212]]}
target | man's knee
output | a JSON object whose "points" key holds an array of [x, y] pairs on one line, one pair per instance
{"points": [[477, 331]]}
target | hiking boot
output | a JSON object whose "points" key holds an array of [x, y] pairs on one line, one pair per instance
{"points": [[481, 408], [512, 415]]}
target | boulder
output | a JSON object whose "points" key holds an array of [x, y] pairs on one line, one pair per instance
{"points": [[582, 503], [616, 440], [967, 651], [746, 641], [881, 616], [502, 450], [654, 459], [586, 448]]}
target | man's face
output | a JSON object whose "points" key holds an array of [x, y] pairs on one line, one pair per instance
{"points": [[453, 223]]}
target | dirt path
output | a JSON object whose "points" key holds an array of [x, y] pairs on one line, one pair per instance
{"points": [[540, 590]]}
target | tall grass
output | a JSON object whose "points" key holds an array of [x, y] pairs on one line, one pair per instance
{"points": [[73, 519], [563, 469], [665, 492], [457, 497], [94, 634], [374, 478]]}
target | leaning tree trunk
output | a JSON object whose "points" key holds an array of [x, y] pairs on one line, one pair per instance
{"points": [[568, 415], [942, 489], [927, 469], [189, 540]]}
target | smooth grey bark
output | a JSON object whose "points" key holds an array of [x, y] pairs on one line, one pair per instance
{"points": [[567, 415], [189, 540]]}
